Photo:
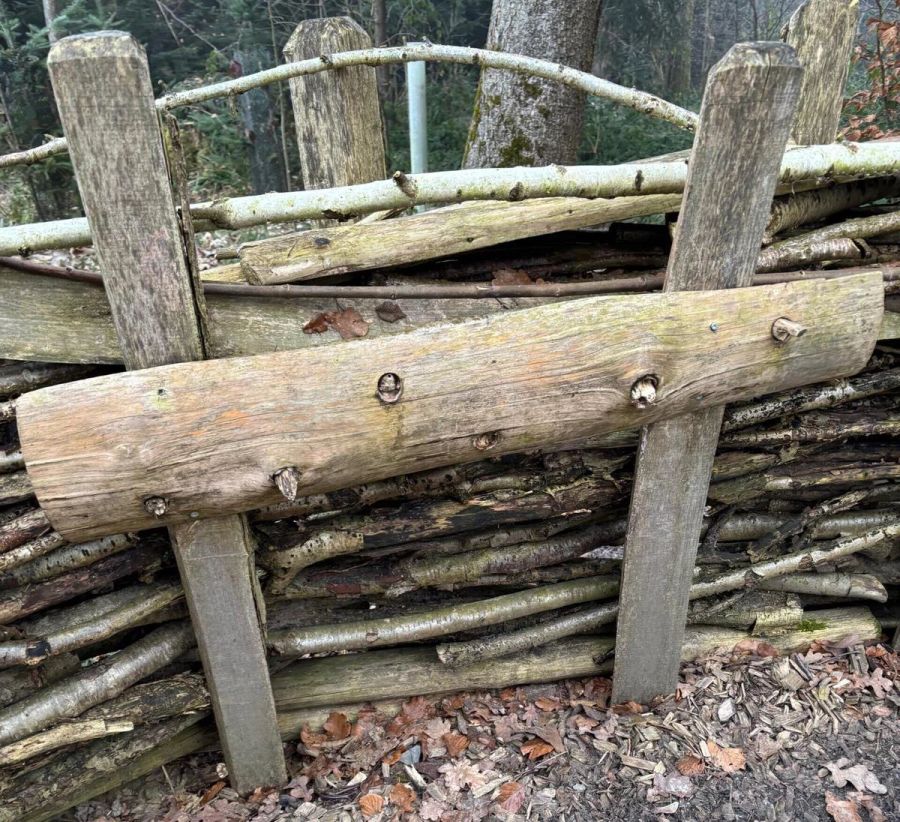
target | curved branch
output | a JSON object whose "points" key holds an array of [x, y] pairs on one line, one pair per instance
{"points": [[34, 155]]}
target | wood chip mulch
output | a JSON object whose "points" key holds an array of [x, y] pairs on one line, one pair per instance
{"points": [[753, 736]]}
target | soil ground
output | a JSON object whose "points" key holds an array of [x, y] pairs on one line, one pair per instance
{"points": [[746, 736]]}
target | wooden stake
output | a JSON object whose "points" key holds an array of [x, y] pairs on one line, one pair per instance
{"points": [[822, 32], [337, 113], [747, 110], [102, 86]]}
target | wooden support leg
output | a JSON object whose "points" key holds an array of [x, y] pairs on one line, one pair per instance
{"points": [[744, 122], [105, 99]]}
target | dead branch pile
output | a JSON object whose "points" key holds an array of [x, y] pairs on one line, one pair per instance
{"points": [[486, 574]]}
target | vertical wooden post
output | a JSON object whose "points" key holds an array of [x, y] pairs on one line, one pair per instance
{"points": [[822, 33], [337, 113], [744, 121], [102, 87]]}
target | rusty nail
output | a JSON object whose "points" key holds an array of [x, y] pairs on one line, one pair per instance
{"points": [[390, 387]]}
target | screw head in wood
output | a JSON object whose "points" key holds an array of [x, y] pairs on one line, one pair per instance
{"points": [[783, 329], [390, 388], [287, 480], [157, 506], [643, 392]]}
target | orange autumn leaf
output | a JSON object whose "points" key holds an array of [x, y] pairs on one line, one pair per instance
{"points": [[393, 757], [756, 647], [455, 743], [536, 748], [630, 707], [546, 703], [337, 726], [311, 738], [403, 797], [371, 804], [690, 766], [511, 797], [211, 793], [728, 759]]}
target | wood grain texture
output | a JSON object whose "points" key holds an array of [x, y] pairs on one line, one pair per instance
{"points": [[102, 87], [208, 437], [442, 232], [744, 120], [68, 322], [114, 140], [822, 32], [337, 114]]}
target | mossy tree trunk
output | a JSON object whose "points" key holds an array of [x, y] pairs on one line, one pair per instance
{"points": [[527, 121]]}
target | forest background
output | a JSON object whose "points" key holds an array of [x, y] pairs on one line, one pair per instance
{"points": [[244, 145]]}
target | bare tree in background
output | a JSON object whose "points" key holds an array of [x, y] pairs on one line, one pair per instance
{"points": [[526, 121]]}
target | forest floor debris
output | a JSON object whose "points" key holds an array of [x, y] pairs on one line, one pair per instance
{"points": [[747, 735]]}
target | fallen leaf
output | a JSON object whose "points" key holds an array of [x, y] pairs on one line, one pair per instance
{"points": [[549, 734], [437, 728], [432, 810], [317, 325], [858, 775], [868, 802], [841, 810], [337, 727], [211, 793], [403, 797], [729, 760], [455, 743], [511, 797], [310, 738], [371, 804], [690, 765], [510, 276], [583, 724], [680, 786], [630, 707], [536, 748], [349, 323], [755, 647], [389, 312], [546, 703], [460, 774], [417, 708]]}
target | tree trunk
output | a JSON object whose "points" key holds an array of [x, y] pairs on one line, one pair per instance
{"points": [[523, 121]]}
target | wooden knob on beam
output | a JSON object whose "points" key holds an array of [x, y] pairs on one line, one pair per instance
{"points": [[783, 329]]}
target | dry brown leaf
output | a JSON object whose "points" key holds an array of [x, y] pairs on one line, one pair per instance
{"points": [[311, 738], [841, 810], [511, 797], [417, 708], [729, 760], [510, 276], [349, 323], [868, 802], [389, 312], [756, 647], [436, 728], [317, 325], [455, 743], [690, 765], [536, 748], [337, 726], [546, 703], [371, 804], [211, 793], [403, 797], [630, 707]]}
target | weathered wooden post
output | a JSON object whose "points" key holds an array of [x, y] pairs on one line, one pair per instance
{"points": [[744, 122], [337, 113], [822, 33], [103, 91]]}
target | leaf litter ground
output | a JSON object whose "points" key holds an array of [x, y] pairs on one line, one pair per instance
{"points": [[747, 735]]}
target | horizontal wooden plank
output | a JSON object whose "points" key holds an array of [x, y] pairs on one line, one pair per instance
{"points": [[69, 322], [324, 252], [208, 437]]}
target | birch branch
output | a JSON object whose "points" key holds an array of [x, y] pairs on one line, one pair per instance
{"points": [[590, 619], [820, 164], [631, 98], [95, 684]]}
